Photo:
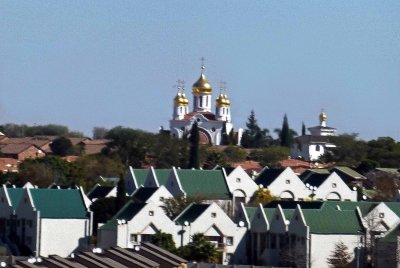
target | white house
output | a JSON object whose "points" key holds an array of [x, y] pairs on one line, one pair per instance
{"points": [[53, 221], [283, 183], [329, 187], [214, 223], [135, 222], [240, 184]]}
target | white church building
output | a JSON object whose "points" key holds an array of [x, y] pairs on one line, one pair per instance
{"points": [[211, 125], [311, 147]]}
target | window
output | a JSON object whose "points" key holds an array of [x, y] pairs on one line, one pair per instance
{"points": [[228, 257], [334, 185], [201, 102], [213, 215], [381, 215], [146, 238], [317, 148], [238, 179], [151, 213], [287, 181], [229, 241], [133, 237]]}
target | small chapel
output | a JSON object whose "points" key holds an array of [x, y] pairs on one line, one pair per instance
{"points": [[212, 125]]}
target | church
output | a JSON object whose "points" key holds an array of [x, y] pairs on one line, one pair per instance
{"points": [[212, 125]]}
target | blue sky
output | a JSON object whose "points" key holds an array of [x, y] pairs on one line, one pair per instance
{"points": [[107, 63]]}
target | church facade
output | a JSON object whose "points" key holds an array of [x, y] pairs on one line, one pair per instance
{"points": [[212, 125]]}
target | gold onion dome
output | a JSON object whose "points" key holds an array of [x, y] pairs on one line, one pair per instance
{"points": [[322, 117], [222, 100], [181, 99], [202, 85]]}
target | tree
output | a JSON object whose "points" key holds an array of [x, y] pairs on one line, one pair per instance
{"points": [[262, 196], [254, 136], [214, 158], [271, 156], [285, 135], [175, 205], [200, 250], [235, 154], [224, 135], [99, 133], [340, 256], [303, 129], [121, 194], [194, 139], [169, 151], [164, 241], [103, 210], [62, 146]]}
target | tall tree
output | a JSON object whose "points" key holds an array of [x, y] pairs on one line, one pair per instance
{"points": [[200, 250], [164, 241], [224, 135], [121, 194], [254, 136], [303, 129], [62, 146], [194, 154], [340, 256], [285, 133]]}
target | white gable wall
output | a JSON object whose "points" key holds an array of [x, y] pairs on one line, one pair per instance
{"points": [[239, 181], [289, 183], [335, 186]]}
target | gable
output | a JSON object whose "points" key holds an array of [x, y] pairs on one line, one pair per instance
{"points": [[150, 229], [213, 231]]}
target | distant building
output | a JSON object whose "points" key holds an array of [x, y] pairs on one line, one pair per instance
{"points": [[211, 125], [311, 147]]}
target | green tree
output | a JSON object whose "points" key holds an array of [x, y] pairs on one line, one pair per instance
{"points": [[262, 196], [47, 130], [169, 151], [164, 241], [286, 140], [214, 158], [175, 205], [270, 156], [303, 129], [121, 194], [99, 133], [200, 250], [224, 135], [340, 256], [235, 154], [103, 210], [254, 136], [62, 146], [194, 139]]}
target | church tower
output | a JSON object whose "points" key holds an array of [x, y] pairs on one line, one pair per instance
{"points": [[181, 103], [223, 106], [202, 93]]}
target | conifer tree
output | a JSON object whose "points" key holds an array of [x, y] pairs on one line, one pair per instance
{"points": [[194, 154], [303, 129], [340, 256], [254, 136], [285, 133], [224, 136]]}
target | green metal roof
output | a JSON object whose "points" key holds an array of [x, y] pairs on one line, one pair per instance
{"points": [[251, 213], [365, 207], [15, 195], [162, 175], [127, 212], [191, 213], [208, 184], [394, 206], [349, 171], [269, 213], [140, 175], [330, 221], [59, 203]]}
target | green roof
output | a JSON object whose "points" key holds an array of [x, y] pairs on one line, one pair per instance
{"points": [[394, 206], [162, 175], [140, 175], [251, 213], [331, 221], [349, 171], [127, 212], [365, 207], [15, 195], [208, 184], [59, 203], [392, 235], [393, 171], [269, 213], [191, 213]]}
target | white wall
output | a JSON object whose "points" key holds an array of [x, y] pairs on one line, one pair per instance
{"points": [[334, 184], [288, 181]]}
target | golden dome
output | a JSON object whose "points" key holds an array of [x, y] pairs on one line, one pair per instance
{"points": [[222, 101], [202, 86], [322, 117], [181, 99]]}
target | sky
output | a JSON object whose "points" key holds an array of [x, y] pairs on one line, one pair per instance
{"points": [[106, 63]]}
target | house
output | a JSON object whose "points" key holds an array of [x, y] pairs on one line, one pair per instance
{"points": [[135, 222], [283, 183], [329, 187], [349, 175], [134, 179], [217, 227], [152, 194], [313, 234], [99, 191], [240, 184], [21, 151], [53, 221], [208, 185]]}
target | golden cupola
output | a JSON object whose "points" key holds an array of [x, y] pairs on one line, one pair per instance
{"points": [[322, 117], [202, 86], [222, 100], [181, 99]]}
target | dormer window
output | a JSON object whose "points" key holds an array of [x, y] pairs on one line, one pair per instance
{"points": [[238, 180], [213, 215], [151, 213], [381, 215], [334, 185], [287, 181]]}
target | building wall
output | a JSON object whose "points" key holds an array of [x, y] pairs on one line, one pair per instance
{"points": [[73, 236], [31, 152], [289, 182], [335, 186]]}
